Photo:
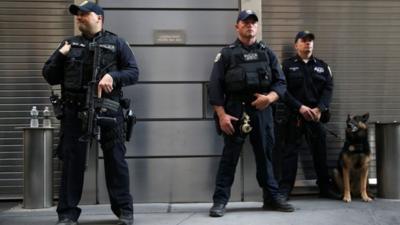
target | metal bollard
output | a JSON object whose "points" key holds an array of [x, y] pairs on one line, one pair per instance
{"points": [[388, 159], [38, 167]]}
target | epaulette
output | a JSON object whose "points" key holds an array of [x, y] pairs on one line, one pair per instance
{"points": [[232, 45], [76, 41], [320, 61], [109, 32], [77, 44]]}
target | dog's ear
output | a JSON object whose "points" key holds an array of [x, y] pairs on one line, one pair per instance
{"points": [[365, 117]]}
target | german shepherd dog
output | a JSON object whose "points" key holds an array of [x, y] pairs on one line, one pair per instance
{"points": [[351, 175]]}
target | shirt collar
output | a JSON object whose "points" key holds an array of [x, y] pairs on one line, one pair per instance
{"points": [[311, 59], [253, 46]]}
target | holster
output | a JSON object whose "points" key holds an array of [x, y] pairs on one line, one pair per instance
{"points": [[129, 118], [56, 102]]}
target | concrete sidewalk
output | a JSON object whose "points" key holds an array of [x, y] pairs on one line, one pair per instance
{"points": [[309, 211]]}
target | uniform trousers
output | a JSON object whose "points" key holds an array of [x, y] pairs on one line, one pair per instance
{"points": [[315, 137], [73, 154], [262, 141]]}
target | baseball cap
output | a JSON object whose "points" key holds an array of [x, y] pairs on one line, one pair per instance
{"points": [[303, 34], [244, 14], [86, 6]]}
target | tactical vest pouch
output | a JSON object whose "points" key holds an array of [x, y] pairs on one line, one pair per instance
{"points": [[252, 81], [257, 81], [235, 80], [73, 74], [265, 80], [73, 67]]}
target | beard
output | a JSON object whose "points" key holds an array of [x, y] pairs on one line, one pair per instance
{"points": [[249, 34], [308, 50], [83, 28], [87, 29]]}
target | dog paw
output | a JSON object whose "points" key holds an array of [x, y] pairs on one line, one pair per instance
{"points": [[347, 199], [367, 199]]}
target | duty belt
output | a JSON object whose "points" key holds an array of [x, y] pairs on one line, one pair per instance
{"points": [[74, 99], [241, 98]]}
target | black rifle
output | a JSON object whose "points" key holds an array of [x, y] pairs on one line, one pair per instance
{"points": [[91, 114]]}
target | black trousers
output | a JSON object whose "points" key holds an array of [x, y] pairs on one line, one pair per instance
{"points": [[73, 154], [262, 141], [315, 137]]}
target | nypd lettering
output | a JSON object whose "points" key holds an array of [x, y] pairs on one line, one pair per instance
{"points": [[108, 46], [250, 56]]}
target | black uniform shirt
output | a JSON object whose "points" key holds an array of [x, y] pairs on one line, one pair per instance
{"points": [[308, 83], [216, 89]]}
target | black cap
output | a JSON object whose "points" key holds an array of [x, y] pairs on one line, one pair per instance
{"points": [[86, 6], [303, 34], [244, 14]]}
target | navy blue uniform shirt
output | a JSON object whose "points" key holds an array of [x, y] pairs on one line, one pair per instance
{"points": [[216, 89], [308, 84], [127, 73]]}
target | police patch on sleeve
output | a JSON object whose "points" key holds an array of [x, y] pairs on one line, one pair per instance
{"points": [[217, 57]]}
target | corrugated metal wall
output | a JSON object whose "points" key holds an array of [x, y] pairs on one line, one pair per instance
{"points": [[359, 39], [29, 33]]}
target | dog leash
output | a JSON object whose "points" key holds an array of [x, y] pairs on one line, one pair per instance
{"points": [[332, 132]]}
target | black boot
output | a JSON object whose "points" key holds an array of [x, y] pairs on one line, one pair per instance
{"points": [[217, 210], [329, 190], [330, 194], [278, 204], [66, 221], [125, 218]]}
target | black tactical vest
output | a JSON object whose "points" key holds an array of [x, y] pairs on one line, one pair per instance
{"points": [[78, 67], [249, 71]]}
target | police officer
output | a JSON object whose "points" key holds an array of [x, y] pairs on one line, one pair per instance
{"points": [[308, 96], [71, 65], [245, 80]]}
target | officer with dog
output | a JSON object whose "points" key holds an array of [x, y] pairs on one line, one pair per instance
{"points": [[71, 65], [308, 97], [246, 79]]}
